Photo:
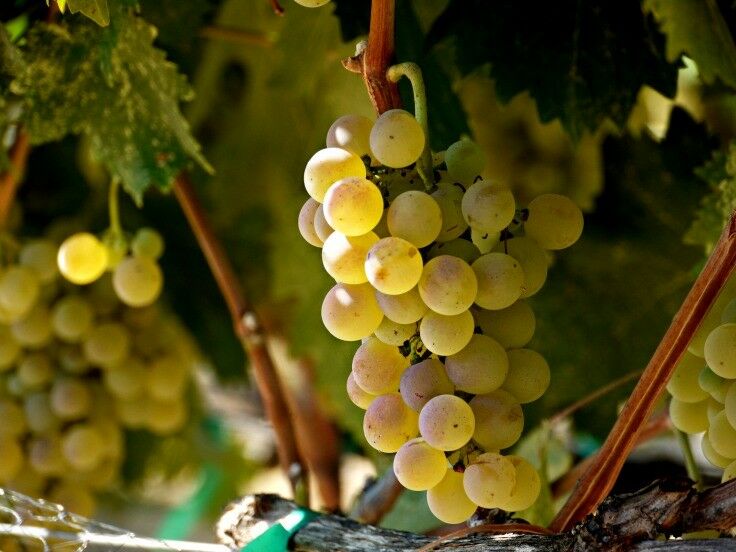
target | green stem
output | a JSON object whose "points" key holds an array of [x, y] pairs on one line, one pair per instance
{"points": [[116, 229], [692, 468], [412, 72]]}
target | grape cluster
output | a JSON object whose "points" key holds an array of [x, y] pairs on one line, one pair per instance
{"points": [[703, 385], [433, 272], [78, 368]]}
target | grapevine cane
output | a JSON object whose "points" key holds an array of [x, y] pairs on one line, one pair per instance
{"points": [[11, 178]]}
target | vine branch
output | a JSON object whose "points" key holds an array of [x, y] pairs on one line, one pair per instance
{"points": [[11, 179]]}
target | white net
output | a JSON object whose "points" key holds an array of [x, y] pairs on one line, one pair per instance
{"points": [[31, 525]]}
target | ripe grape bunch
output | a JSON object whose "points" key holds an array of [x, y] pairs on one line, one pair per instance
{"points": [[433, 268], [80, 365], [703, 385]]}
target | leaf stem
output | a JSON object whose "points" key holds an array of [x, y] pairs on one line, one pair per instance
{"points": [[412, 72], [693, 472], [116, 229]]}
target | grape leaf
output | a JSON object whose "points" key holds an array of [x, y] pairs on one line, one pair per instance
{"points": [[97, 10], [582, 62], [697, 28], [113, 86]]}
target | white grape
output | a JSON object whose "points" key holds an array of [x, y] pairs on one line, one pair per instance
{"points": [[351, 132], [415, 217], [377, 367], [533, 261], [82, 258], [720, 350], [40, 255], [449, 198], [344, 256], [480, 367], [423, 381], [554, 221], [418, 466], [393, 266], [448, 501], [488, 207], [404, 308], [71, 318], [512, 327], [460, 248], [351, 312], [306, 222], [499, 419], [490, 480], [446, 422], [395, 334], [465, 160], [329, 165], [388, 423], [448, 285], [353, 206], [500, 281], [528, 376], [446, 335], [397, 140], [138, 281]]}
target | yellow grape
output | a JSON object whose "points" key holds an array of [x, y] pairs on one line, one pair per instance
{"points": [[720, 350], [352, 133], [166, 378], [396, 139], [415, 217], [377, 367], [460, 248], [344, 256], [45, 455], [446, 335], [418, 466], [35, 370], [689, 417], [713, 384], [321, 227], [306, 222], [83, 446], [70, 398], [683, 384], [395, 334], [126, 380], [448, 501], [499, 419], [404, 308], [488, 207], [107, 344], [722, 436], [446, 422], [353, 206], [166, 417], [82, 258], [533, 260], [526, 488], [528, 376], [34, 330], [393, 266], [500, 281], [449, 198], [388, 423], [512, 327], [138, 281], [357, 396], [423, 381], [554, 221], [448, 285], [19, 290], [480, 367], [711, 455], [490, 480], [351, 312], [38, 413], [465, 160], [327, 166], [485, 242], [71, 318]]}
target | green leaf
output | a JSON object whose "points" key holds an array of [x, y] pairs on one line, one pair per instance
{"points": [[583, 62], [113, 86], [697, 28], [96, 10]]}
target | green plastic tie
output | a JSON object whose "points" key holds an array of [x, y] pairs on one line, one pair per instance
{"points": [[276, 537]]}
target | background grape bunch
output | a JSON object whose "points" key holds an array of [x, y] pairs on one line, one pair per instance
{"points": [[433, 268]]}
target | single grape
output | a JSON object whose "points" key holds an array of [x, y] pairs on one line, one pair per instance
{"points": [[138, 281], [358, 397], [83, 446], [40, 255], [377, 367], [533, 260], [395, 334], [34, 330], [449, 198], [352, 133], [13, 419], [148, 243], [393, 266], [344, 256], [418, 466], [35, 370], [488, 207], [713, 408], [722, 436], [480, 367], [353, 206], [720, 350], [683, 384], [19, 290], [423, 381], [485, 241], [713, 384], [490, 480], [166, 417], [388, 423], [448, 501], [689, 417], [329, 165], [528, 376], [499, 419], [460, 248], [500, 281], [415, 217], [71, 318], [39, 414], [312, 3], [512, 327], [74, 498], [107, 344], [45, 455], [128, 379], [446, 422], [465, 160], [526, 488], [166, 378], [321, 227], [133, 413], [554, 221], [404, 308], [396, 139], [448, 285], [351, 312], [711, 455], [11, 460], [70, 398], [306, 222], [446, 335], [82, 258]]}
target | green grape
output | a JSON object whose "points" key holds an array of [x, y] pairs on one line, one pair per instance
{"points": [[448, 285], [485, 241], [351, 312], [71, 318], [490, 480], [11, 460], [396, 139], [148, 243], [722, 436], [418, 466], [40, 255], [512, 327], [393, 266], [713, 408], [306, 222], [377, 367], [446, 335], [75, 498], [526, 488], [446, 422], [713, 384], [133, 413], [460, 248], [395, 334], [45, 455], [138, 281], [499, 419], [689, 417], [321, 227], [166, 417], [83, 446], [465, 160], [711, 455], [404, 308], [488, 207], [312, 3], [13, 419], [9, 349], [683, 384], [500, 281], [728, 315], [729, 472], [554, 221], [70, 398], [388, 423], [352, 133], [423, 381], [39, 415], [344, 256], [128, 379], [720, 350], [82, 258], [730, 404], [35, 370], [33, 331], [528, 376], [19, 290], [166, 378], [480, 367], [72, 360], [533, 261], [448, 501], [358, 397], [107, 344], [329, 165], [415, 217], [710, 322], [353, 206], [449, 198]]}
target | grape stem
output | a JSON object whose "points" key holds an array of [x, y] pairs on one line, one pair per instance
{"points": [[116, 229], [11, 179], [693, 472]]}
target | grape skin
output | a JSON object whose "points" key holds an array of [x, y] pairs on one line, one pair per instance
{"points": [[393, 266], [711, 455], [351, 312], [446, 335], [352, 133], [327, 166], [554, 221], [388, 423], [488, 207], [533, 261], [528, 376], [353, 206], [500, 281], [377, 367], [513, 327], [713, 384], [138, 281], [683, 385], [499, 419], [321, 227], [460, 248], [689, 417], [344, 256], [526, 488], [357, 396], [148, 243], [82, 258], [82, 446], [415, 217], [71, 318], [418, 466], [40, 255], [480, 367], [449, 197], [396, 139], [423, 381], [448, 285], [404, 308], [448, 501], [19, 290], [722, 436], [395, 334], [107, 344], [446, 422], [465, 160], [720, 350], [305, 222], [489, 480]]}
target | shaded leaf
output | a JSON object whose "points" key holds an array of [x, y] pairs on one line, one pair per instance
{"points": [[97, 10]]}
